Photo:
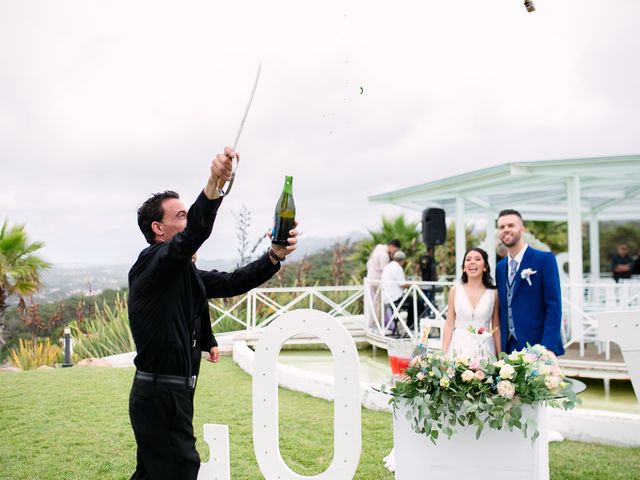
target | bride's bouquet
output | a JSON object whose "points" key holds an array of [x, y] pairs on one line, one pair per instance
{"points": [[480, 336], [442, 393]]}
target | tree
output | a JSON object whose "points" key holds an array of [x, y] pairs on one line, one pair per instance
{"points": [[394, 228], [243, 225], [20, 269]]}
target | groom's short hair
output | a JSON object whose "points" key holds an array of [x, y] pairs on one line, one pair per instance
{"points": [[510, 211]]}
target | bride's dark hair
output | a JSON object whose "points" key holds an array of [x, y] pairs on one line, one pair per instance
{"points": [[487, 281]]}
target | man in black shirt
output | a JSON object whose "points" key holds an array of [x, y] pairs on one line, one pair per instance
{"points": [[621, 263], [169, 317], [427, 268]]}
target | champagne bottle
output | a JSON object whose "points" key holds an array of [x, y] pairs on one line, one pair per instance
{"points": [[285, 214]]}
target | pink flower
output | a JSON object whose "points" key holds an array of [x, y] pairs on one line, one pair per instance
{"points": [[479, 375], [506, 389], [552, 382], [475, 364]]}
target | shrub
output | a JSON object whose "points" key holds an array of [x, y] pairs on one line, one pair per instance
{"points": [[32, 354], [106, 333]]}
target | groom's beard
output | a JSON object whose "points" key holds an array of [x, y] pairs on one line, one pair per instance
{"points": [[514, 240]]}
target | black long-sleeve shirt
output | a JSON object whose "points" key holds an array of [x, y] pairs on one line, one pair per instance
{"points": [[168, 294]]}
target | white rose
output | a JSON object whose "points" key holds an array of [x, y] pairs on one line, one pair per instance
{"points": [[462, 360], [467, 376], [420, 376], [507, 372], [544, 369], [506, 389]]}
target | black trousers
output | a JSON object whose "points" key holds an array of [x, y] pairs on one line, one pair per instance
{"points": [[162, 420], [408, 307]]}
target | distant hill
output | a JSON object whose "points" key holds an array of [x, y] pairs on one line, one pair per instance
{"points": [[66, 280]]}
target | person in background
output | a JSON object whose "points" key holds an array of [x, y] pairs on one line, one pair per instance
{"points": [[621, 263], [501, 252], [380, 256], [393, 284], [427, 269]]}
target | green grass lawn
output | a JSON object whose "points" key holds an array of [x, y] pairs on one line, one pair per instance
{"points": [[73, 424]]}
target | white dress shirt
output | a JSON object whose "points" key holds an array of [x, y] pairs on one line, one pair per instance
{"points": [[517, 258], [392, 278]]}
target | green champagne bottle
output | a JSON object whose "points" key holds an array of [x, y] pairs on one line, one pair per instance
{"points": [[285, 214]]}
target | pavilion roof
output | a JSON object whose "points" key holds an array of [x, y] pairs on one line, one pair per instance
{"points": [[609, 189]]}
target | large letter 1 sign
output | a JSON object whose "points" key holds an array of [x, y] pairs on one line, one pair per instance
{"points": [[347, 441]]}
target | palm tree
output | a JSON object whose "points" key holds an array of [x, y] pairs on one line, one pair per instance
{"points": [[19, 268], [394, 228]]}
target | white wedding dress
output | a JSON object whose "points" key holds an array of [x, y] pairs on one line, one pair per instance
{"points": [[464, 342]]}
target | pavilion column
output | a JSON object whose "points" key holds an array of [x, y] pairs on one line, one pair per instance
{"points": [[594, 247], [491, 242], [460, 235], [575, 254]]}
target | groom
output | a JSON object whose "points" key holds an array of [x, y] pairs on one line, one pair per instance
{"points": [[528, 290]]}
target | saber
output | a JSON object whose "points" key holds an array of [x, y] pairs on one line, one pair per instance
{"points": [[234, 166]]}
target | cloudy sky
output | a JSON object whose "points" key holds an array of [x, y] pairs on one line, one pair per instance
{"points": [[103, 103]]}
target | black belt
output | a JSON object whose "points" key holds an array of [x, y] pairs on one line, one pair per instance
{"points": [[189, 382]]}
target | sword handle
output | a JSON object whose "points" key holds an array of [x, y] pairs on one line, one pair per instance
{"points": [[221, 183]]}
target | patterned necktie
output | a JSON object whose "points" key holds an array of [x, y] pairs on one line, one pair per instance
{"points": [[513, 266]]}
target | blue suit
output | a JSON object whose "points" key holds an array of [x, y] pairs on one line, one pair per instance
{"points": [[536, 308]]}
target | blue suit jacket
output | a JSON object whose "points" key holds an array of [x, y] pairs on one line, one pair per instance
{"points": [[536, 308]]}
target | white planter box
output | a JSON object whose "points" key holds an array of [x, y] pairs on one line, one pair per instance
{"points": [[496, 455]]}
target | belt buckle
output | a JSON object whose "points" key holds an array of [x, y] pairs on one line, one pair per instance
{"points": [[193, 344], [192, 381]]}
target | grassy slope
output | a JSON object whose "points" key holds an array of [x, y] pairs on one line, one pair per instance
{"points": [[73, 424]]}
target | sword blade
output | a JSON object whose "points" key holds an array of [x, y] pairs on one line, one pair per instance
{"points": [[234, 167], [246, 110]]}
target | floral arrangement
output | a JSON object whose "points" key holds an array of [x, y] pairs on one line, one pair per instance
{"points": [[442, 393]]}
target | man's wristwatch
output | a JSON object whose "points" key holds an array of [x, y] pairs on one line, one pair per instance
{"points": [[274, 256]]}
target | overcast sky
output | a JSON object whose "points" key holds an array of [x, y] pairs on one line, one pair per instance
{"points": [[105, 102]]}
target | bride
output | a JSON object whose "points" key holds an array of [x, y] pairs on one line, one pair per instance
{"points": [[472, 302]]}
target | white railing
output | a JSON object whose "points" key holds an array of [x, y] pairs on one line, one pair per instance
{"points": [[261, 305], [425, 300], [580, 323], [428, 301]]}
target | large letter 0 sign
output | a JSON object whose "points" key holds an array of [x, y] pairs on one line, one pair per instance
{"points": [[347, 440]]}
